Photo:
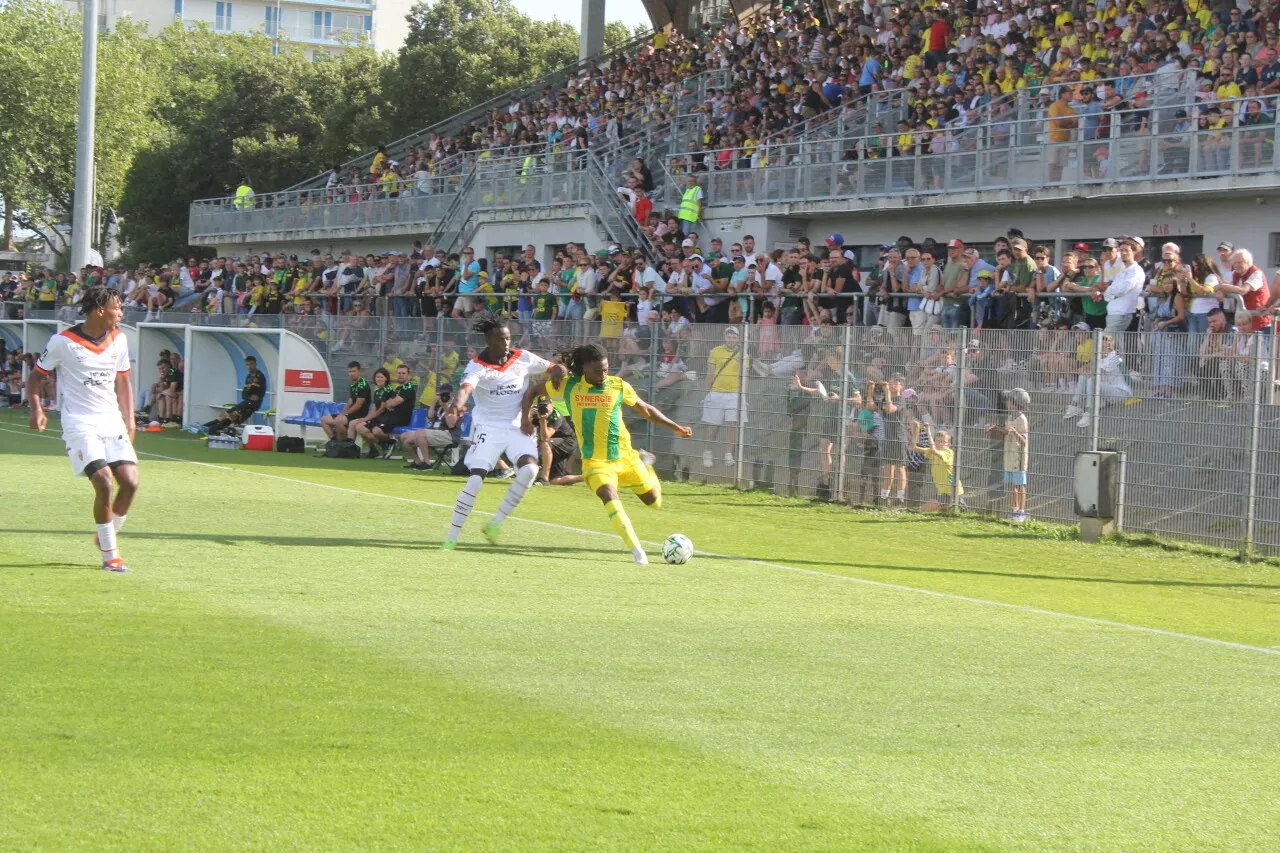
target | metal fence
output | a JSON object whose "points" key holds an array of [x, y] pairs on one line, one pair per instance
{"points": [[785, 409]]}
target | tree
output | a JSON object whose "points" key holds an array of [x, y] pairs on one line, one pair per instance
{"points": [[460, 53], [39, 93], [232, 109]]}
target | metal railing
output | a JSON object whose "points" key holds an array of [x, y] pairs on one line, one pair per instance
{"points": [[1201, 462], [986, 157]]}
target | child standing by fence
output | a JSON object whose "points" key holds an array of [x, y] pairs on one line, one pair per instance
{"points": [[942, 465], [1017, 450]]}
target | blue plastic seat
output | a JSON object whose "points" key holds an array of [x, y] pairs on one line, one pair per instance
{"points": [[309, 416], [418, 420]]}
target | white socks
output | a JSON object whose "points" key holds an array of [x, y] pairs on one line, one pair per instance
{"points": [[515, 493], [107, 541], [118, 521], [464, 504]]}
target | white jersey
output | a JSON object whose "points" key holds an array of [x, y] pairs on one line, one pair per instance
{"points": [[87, 372], [498, 389]]}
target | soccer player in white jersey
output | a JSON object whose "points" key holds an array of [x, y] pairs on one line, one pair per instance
{"points": [[496, 380], [92, 360]]}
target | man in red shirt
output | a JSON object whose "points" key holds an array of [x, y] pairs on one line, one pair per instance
{"points": [[1250, 283], [939, 33]]}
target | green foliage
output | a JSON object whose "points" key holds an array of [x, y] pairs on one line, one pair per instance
{"points": [[39, 96], [481, 47], [186, 113]]}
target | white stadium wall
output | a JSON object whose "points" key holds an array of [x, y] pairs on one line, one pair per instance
{"points": [[1247, 221]]}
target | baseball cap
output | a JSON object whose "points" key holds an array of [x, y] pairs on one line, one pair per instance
{"points": [[986, 274], [1230, 247], [687, 244], [1082, 327], [1111, 243], [1138, 241], [444, 388], [731, 330], [1083, 247], [835, 240], [955, 243], [1018, 243], [696, 256]]}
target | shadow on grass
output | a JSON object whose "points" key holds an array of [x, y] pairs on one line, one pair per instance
{"points": [[1014, 575], [532, 551], [71, 566]]}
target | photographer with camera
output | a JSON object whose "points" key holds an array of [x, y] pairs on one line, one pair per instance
{"points": [[441, 433], [557, 445]]}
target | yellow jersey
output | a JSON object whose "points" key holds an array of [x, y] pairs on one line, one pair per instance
{"points": [[726, 366], [596, 412]]}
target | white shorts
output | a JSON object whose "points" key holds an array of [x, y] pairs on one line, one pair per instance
{"points": [[84, 448], [721, 407], [489, 443]]}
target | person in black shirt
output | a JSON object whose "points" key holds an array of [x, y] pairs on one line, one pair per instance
{"points": [[395, 411], [358, 394], [251, 397]]}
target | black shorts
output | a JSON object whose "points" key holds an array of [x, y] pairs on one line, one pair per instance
{"points": [[563, 452], [383, 424], [243, 411]]}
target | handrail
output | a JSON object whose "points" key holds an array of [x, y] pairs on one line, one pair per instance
{"points": [[1003, 127], [459, 202]]}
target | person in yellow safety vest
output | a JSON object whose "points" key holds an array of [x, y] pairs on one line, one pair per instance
{"points": [[526, 168], [690, 205], [244, 196]]}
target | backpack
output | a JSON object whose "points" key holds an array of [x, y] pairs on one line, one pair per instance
{"points": [[342, 448], [290, 444]]}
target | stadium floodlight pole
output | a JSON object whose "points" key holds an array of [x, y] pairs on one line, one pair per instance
{"points": [[82, 207]]}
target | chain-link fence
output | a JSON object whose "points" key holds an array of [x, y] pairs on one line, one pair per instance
{"points": [[856, 414]]}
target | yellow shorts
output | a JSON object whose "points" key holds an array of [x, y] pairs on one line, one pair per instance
{"points": [[629, 472]]}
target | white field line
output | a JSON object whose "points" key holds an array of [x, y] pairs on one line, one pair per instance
{"points": [[948, 596]]}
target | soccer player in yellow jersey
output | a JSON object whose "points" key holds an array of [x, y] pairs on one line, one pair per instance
{"points": [[609, 462]]}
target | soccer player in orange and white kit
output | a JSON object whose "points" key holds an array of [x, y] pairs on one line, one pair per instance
{"points": [[92, 360]]}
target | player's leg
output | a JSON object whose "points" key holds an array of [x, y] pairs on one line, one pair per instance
{"points": [[642, 480], [481, 457], [126, 476], [603, 480], [328, 425], [100, 478], [523, 449]]}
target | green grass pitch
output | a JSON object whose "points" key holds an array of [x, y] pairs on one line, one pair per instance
{"points": [[293, 664]]}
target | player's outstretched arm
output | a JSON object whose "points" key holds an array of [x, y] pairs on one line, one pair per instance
{"points": [[459, 404], [654, 415], [124, 399], [35, 385]]}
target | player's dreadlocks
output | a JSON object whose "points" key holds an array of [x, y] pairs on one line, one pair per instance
{"points": [[485, 322], [96, 297], [582, 356]]}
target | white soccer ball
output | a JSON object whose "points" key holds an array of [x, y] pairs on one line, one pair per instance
{"points": [[677, 549]]}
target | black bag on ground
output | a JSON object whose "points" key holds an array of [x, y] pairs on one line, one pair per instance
{"points": [[290, 444], [342, 448]]}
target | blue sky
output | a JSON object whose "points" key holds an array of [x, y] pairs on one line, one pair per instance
{"points": [[630, 12]]}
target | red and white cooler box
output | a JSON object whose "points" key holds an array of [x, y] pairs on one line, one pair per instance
{"points": [[258, 437]]}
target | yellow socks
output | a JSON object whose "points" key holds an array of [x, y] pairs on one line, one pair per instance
{"points": [[622, 524]]}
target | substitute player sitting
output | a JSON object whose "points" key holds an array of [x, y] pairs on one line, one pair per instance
{"points": [[609, 462], [98, 426], [496, 380]]}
